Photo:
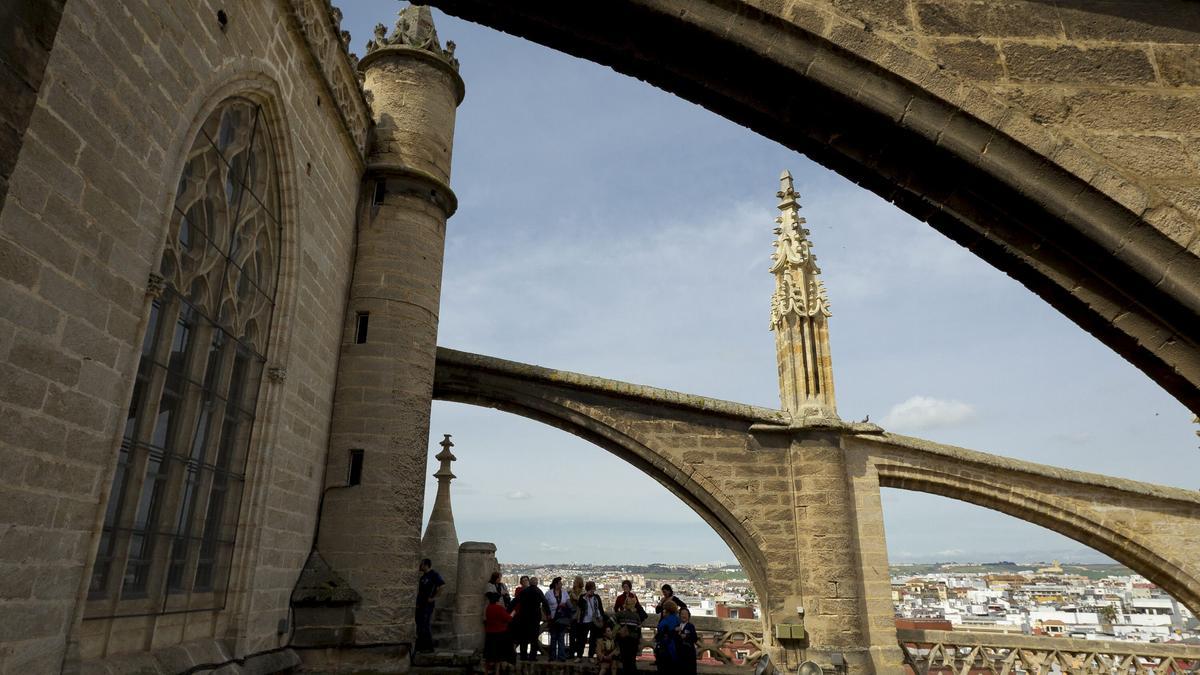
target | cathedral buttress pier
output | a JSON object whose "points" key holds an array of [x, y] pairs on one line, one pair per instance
{"points": [[370, 527], [827, 568]]}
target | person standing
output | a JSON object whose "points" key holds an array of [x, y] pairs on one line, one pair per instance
{"points": [[497, 648], [559, 607], [666, 640], [496, 585], [629, 615], [668, 593], [531, 603], [427, 589], [687, 643], [592, 619], [576, 640]]}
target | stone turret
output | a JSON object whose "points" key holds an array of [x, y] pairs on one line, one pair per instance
{"points": [[800, 315], [440, 543], [370, 532]]}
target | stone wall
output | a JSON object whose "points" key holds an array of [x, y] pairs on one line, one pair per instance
{"points": [[1056, 140], [82, 227], [28, 28]]}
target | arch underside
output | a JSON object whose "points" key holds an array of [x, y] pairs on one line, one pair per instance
{"points": [[997, 497], [1094, 260], [731, 530]]}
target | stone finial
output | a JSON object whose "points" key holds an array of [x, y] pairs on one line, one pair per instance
{"points": [[440, 542], [799, 313], [414, 28], [445, 457], [798, 288]]}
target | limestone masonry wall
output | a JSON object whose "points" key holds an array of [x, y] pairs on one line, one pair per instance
{"points": [[83, 226]]}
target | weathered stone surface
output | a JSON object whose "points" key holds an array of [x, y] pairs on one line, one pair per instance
{"points": [[974, 58], [1068, 64]]}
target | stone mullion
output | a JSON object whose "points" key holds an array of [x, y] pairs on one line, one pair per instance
{"points": [[138, 453], [176, 457], [252, 382], [216, 423]]}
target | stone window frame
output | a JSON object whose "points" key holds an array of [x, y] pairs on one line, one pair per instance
{"points": [[161, 491]]}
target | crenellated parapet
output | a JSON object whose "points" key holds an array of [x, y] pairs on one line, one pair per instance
{"points": [[319, 24]]}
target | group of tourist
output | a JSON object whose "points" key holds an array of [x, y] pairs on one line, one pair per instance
{"points": [[578, 623]]}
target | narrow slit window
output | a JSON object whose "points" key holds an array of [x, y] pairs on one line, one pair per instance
{"points": [[356, 466], [360, 328], [380, 192]]}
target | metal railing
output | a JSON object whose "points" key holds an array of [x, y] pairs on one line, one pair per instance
{"points": [[962, 653]]}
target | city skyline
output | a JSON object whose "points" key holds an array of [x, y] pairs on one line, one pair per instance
{"points": [[595, 214]]}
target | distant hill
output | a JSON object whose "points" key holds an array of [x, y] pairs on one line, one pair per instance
{"points": [[1089, 570]]}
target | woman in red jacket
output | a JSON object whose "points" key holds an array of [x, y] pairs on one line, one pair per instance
{"points": [[497, 647]]}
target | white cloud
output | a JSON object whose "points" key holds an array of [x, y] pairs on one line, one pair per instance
{"points": [[551, 548], [518, 494], [926, 412]]}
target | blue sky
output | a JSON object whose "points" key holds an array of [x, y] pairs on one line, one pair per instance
{"points": [[611, 228]]}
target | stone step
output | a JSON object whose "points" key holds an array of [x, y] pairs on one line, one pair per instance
{"points": [[443, 658], [441, 669]]}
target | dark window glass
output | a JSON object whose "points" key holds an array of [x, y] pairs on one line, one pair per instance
{"points": [[360, 328]]}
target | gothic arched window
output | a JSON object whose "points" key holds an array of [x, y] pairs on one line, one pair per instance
{"points": [[172, 513]]}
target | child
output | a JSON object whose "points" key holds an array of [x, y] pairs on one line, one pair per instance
{"points": [[606, 652], [497, 648]]}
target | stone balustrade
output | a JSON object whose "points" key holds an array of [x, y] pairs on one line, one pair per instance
{"points": [[936, 651]]}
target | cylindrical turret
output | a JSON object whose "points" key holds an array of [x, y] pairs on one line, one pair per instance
{"points": [[371, 532]]}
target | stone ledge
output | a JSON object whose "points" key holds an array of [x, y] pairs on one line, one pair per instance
{"points": [[965, 456], [562, 378], [1059, 644], [195, 656]]}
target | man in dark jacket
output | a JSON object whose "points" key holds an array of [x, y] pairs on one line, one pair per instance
{"points": [[592, 618], [427, 589], [531, 605]]}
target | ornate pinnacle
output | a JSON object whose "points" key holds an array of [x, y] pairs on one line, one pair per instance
{"points": [[445, 457], [798, 289], [799, 313], [414, 28]]}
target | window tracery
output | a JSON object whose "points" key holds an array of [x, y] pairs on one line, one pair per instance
{"points": [[171, 518]]}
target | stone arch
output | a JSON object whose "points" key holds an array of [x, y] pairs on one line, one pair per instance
{"points": [[1122, 544], [821, 77], [713, 507]]}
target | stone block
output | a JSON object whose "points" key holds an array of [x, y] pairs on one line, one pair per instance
{"points": [[16, 264], [988, 18], [1117, 21], [41, 358], [975, 59], [1068, 64], [1179, 65], [1147, 155]]}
